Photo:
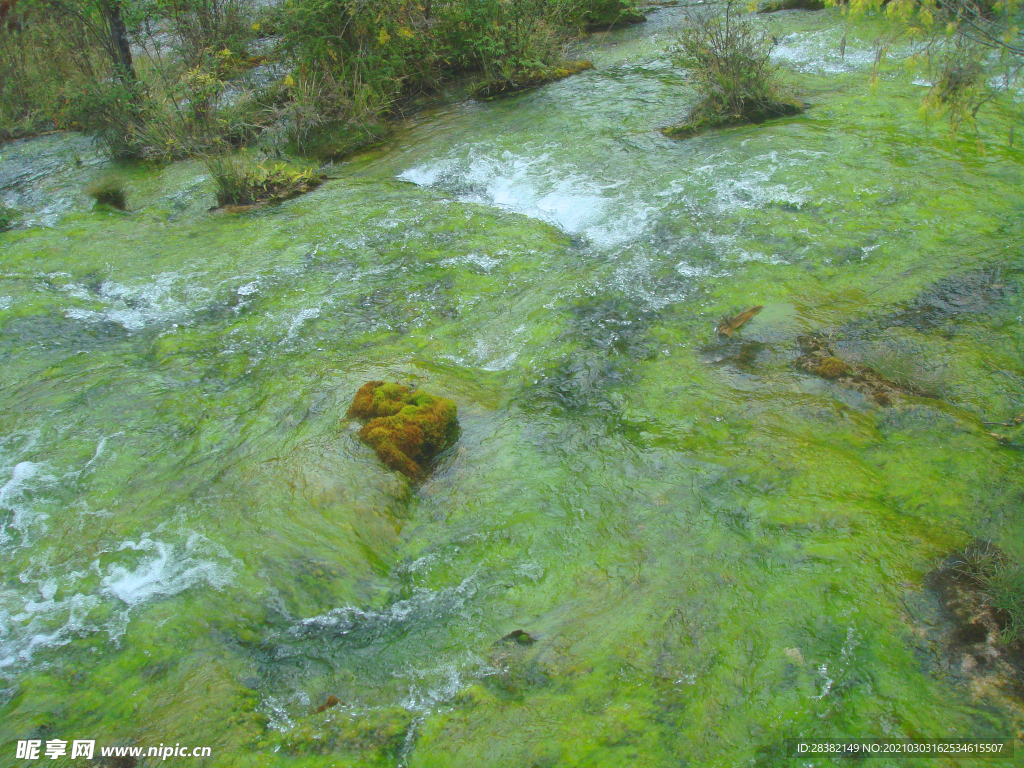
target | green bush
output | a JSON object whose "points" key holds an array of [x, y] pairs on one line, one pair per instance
{"points": [[500, 38], [351, 62], [599, 14], [41, 64], [729, 62], [243, 180], [364, 54]]}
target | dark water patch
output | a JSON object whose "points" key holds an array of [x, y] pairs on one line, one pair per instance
{"points": [[610, 335], [53, 332], [745, 356], [398, 309], [988, 293], [914, 417]]}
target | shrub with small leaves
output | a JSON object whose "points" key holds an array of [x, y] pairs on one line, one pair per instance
{"points": [[243, 180]]}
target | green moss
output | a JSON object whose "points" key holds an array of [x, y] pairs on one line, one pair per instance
{"points": [[371, 738], [530, 79], [706, 115], [832, 368], [339, 140], [406, 428]]}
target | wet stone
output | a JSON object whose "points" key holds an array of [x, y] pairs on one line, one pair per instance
{"points": [[519, 636]]}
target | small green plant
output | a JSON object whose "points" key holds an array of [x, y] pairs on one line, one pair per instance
{"points": [[1004, 585], [1001, 581], [242, 180], [8, 218], [729, 62], [109, 191]]}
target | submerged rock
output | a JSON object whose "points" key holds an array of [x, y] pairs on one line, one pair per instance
{"points": [[976, 641], [705, 116], [531, 79], [819, 359], [406, 428], [519, 636]]}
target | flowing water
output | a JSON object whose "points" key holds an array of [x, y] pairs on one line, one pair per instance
{"points": [[714, 551]]}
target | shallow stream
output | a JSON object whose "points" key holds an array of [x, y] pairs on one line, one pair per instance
{"points": [[714, 551]]}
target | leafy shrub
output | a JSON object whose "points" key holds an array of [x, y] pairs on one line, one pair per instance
{"points": [[206, 31], [501, 38], [166, 118], [609, 13], [729, 60], [366, 53], [242, 180], [41, 64]]}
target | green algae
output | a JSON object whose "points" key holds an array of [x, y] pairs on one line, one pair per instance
{"points": [[530, 79], [706, 116], [712, 558]]}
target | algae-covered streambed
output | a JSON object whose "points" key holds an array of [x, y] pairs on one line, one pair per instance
{"points": [[711, 550]]}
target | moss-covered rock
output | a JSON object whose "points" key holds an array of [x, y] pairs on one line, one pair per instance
{"points": [[369, 738], [407, 428], [790, 5], [336, 141], [832, 368], [820, 359], [530, 79], [705, 117], [8, 218]]}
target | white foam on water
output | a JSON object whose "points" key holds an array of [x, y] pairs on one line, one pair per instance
{"points": [[168, 297], [542, 188], [166, 569], [25, 521], [500, 353], [483, 261], [299, 319], [50, 591], [430, 687], [819, 52], [56, 604]]}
